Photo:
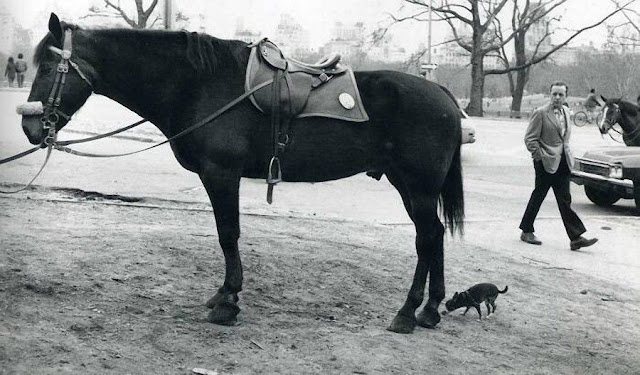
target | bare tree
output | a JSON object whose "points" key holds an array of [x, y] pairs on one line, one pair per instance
{"points": [[487, 38], [532, 49], [141, 19], [626, 33]]}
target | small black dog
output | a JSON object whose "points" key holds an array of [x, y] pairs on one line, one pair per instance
{"points": [[474, 296]]}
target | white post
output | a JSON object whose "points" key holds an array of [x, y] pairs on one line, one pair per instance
{"points": [[429, 70], [168, 14]]}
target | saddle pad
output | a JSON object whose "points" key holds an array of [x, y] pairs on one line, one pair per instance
{"points": [[338, 98]]}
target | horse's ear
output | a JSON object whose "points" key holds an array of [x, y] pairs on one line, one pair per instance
{"points": [[55, 28], [603, 98]]}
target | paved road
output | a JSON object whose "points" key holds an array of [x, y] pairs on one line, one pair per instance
{"points": [[498, 181]]}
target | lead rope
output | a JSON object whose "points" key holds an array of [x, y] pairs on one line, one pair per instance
{"points": [[46, 160]]}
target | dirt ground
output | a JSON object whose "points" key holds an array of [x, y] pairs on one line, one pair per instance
{"points": [[93, 285]]}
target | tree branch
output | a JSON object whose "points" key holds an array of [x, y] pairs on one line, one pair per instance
{"points": [[534, 61]]}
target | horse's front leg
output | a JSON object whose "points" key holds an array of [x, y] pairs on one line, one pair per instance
{"points": [[223, 186]]}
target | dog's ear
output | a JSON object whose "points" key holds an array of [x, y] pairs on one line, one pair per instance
{"points": [[455, 294], [603, 98]]}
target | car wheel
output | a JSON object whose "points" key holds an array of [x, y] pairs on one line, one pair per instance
{"points": [[601, 198]]}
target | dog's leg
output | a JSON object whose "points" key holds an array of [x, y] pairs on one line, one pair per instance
{"points": [[478, 310], [486, 303], [465, 311]]}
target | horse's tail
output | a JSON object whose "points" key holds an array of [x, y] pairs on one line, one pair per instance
{"points": [[452, 196], [506, 287]]}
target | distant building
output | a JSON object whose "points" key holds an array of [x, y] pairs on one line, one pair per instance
{"points": [[570, 55], [388, 51], [291, 37], [346, 40], [7, 27], [453, 55], [245, 35]]}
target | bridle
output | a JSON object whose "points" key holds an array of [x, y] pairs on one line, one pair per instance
{"points": [[615, 119], [51, 112]]}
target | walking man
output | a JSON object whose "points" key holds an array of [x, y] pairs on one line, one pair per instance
{"points": [[547, 138], [21, 68]]}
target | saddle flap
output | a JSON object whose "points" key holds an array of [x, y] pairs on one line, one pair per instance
{"points": [[272, 55]]}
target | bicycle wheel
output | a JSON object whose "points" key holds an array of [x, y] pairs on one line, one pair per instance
{"points": [[580, 118]]}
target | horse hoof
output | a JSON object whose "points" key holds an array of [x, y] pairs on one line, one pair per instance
{"points": [[402, 324], [213, 301], [428, 318], [224, 313], [220, 297]]}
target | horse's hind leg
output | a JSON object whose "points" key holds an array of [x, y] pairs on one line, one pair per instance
{"points": [[422, 209], [429, 316], [222, 186]]}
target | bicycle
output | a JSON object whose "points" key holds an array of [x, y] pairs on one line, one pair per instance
{"points": [[581, 118]]}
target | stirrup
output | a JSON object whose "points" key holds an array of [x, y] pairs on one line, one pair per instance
{"points": [[274, 164], [271, 181]]}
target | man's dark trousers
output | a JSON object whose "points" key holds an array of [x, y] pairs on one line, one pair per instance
{"points": [[559, 181]]}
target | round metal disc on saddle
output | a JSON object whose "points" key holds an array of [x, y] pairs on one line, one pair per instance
{"points": [[346, 100]]}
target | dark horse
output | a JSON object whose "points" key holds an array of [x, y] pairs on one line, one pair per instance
{"points": [[174, 79], [625, 114]]}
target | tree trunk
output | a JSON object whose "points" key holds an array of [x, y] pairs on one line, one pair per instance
{"points": [[522, 75]]}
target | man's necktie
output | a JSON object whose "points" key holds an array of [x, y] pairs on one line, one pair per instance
{"points": [[560, 117]]}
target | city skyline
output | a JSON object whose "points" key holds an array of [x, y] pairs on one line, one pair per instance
{"points": [[220, 18]]}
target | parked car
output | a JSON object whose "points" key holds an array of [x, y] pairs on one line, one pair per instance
{"points": [[468, 131], [609, 174]]}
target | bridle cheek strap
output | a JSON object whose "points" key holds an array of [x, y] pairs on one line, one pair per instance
{"points": [[52, 112]]}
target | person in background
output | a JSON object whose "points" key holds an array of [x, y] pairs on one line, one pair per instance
{"points": [[547, 139], [21, 68], [10, 71], [590, 104]]}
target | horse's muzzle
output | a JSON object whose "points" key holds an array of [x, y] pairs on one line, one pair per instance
{"points": [[32, 127], [604, 128]]}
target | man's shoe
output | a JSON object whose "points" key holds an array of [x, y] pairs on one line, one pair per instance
{"points": [[529, 237], [582, 242]]}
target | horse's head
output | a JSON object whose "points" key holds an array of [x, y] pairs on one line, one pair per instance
{"points": [[611, 114], [61, 86]]}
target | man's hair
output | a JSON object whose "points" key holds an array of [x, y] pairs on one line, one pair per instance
{"points": [[560, 83], [593, 91], [19, 55]]}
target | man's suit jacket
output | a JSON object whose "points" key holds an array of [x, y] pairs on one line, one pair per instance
{"points": [[546, 140]]}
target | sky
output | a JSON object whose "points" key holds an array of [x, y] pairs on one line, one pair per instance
{"points": [[317, 16]]}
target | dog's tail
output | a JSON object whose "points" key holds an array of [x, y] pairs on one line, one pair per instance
{"points": [[506, 287]]}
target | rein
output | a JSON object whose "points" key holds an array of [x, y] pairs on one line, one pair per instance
{"points": [[60, 146], [52, 113]]}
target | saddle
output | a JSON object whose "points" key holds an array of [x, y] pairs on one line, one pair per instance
{"points": [[325, 89]]}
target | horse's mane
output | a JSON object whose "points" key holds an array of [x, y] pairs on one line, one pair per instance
{"points": [[204, 52]]}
